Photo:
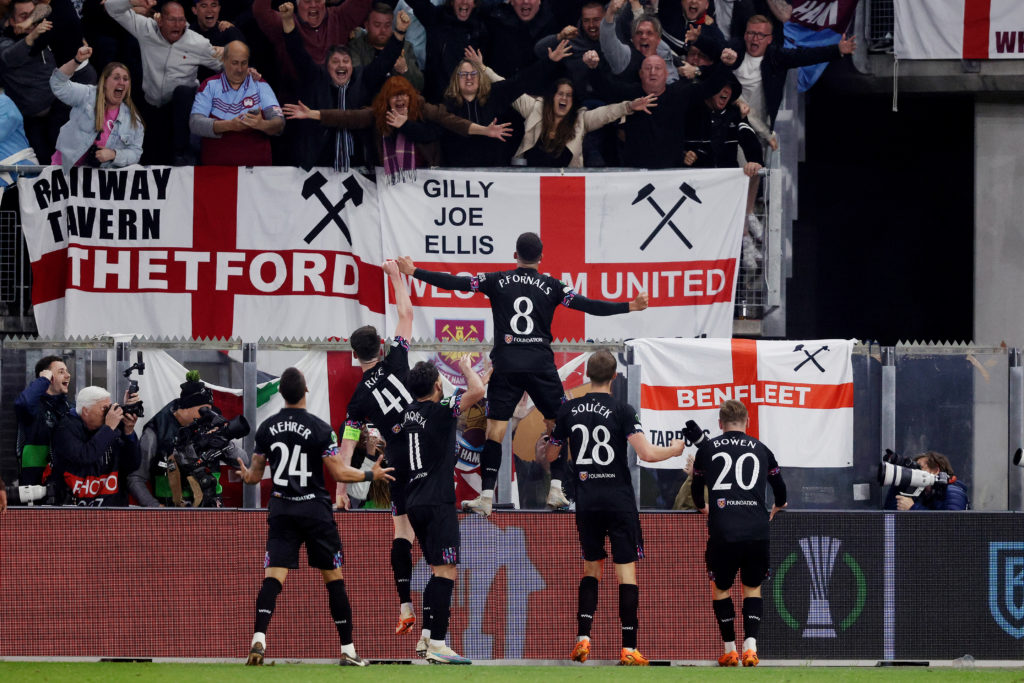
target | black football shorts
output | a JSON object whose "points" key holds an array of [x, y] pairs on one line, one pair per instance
{"points": [[318, 532], [505, 389], [749, 558], [437, 530], [622, 528]]}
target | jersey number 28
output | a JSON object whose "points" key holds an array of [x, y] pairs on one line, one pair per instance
{"points": [[601, 453]]}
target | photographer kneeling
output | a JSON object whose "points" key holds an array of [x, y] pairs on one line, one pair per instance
{"points": [[179, 455], [939, 496], [93, 445]]}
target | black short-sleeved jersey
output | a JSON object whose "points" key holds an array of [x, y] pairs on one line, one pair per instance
{"points": [[736, 467], [595, 427], [425, 453], [381, 395], [295, 442]]}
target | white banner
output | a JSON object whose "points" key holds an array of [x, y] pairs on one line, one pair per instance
{"points": [[799, 394], [959, 29], [203, 252], [674, 234]]}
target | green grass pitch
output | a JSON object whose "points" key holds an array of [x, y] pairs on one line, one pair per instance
{"points": [[118, 672]]}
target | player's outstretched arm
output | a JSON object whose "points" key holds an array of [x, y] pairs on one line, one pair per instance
{"points": [[346, 473], [601, 307], [461, 283], [402, 300], [475, 388], [778, 490], [648, 452], [254, 472]]}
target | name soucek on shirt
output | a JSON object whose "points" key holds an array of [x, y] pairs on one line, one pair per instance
{"points": [[735, 467], [381, 396], [596, 428], [295, 442], [425, 451]]}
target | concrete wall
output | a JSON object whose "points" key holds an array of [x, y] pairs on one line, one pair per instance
{"points": [[999, 224]]}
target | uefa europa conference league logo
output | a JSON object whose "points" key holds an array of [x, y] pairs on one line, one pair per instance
{"points": [[820, 553], [1006, 586]]}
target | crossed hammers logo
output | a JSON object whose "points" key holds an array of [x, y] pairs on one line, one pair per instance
{"points": [[810, 357], [314, 187], [666, 218]]}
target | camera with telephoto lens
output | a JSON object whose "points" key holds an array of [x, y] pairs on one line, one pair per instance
{"points": [[202, 446], [42, 494], [136, 408], [907, 476]]}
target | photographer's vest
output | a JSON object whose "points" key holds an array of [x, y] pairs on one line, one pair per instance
{"points": [[166, 427]]}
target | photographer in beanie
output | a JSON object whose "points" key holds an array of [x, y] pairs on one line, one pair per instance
{"points": [[160, 460]]}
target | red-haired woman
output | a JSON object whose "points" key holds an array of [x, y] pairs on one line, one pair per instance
{"points": [[406, 136]]}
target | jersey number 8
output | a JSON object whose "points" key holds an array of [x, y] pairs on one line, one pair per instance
{"points": [[523, 307], [722, 485], [602, 452]]}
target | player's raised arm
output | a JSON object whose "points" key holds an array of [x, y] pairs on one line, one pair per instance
{"points": [[402, 301], [461, 283], [475, 388], [600, 307]]}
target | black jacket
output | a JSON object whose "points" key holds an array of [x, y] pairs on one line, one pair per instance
{"points": [[314, 143], [776, 63], [715, 135], [94, 464], [510, 49], [447, 40]]}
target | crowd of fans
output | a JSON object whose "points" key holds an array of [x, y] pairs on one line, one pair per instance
{"points": [[398, 84], [210, 79]]}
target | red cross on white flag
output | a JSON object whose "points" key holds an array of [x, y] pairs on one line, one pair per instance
{"points": [[605, 234], [799, 394]]}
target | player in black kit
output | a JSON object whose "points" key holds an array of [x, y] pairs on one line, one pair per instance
{"points": [[597, 428], [735, 466], [379, 399], [425, 463], [523, 303], [296, 445]]}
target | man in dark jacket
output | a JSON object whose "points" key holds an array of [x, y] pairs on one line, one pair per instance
{"points": [[337, 84], [93, 447], [38, 409], [514, 30], [762, 66]]}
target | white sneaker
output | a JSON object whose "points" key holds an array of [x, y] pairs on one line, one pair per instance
{"points": [[557, 499], [422, 646], [445, 655], [754, 227], [749, 253], [479, 505]]}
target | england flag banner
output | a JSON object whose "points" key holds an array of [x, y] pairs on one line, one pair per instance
{"points": [[674, 234], [203, 252], [799, 394], [959, 29]]}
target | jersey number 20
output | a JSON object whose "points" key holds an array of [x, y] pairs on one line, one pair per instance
{"points": [[722, 485]]}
